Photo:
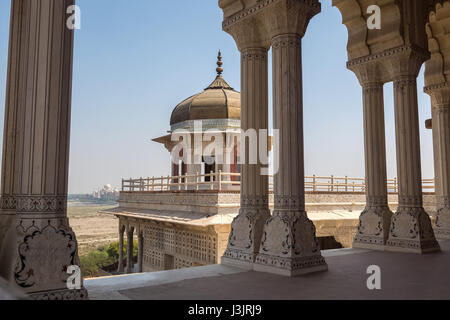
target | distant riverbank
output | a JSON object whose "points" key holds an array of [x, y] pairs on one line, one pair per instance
{"points": [[92, 228], [76, 200]]}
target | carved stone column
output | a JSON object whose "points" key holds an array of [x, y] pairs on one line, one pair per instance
{"points": [[130, 233], [140, 250], [246, 229], [12, 124], [375, 220], [47, 246], [411, 229], [289, 245], [440, 104], [120, 263]]}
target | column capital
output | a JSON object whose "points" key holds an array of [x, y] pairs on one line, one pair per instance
{"points": [[249, 32], [369, 74], [405, 62], [290, 16], [253, 23], [292, 40], [258, 53], [399, 63], [440, 95]]}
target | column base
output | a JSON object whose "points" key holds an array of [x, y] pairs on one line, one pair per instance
{"points": [[8, 245], [45, 251], [367, 244], [290, 267], [373, 230], [63, 294], [7, 222], [289, 246], [245, 237], [238, 261], [442, 230], [411, 232]]}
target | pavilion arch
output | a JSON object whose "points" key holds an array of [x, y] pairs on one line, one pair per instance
{"points": [[438, 67], [394, 53], [437, 85]]}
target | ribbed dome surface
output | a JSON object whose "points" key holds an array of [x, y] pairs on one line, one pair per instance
{"points": [[218, 101]]}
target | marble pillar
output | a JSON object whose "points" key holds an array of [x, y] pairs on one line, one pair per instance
{"points": [[130, 233], [289, 245], [247, 227], [440, 104], [12, 129], [411, 229], [375, 220], [120, 263], [140, 251], [194, 162], [46, 245]]}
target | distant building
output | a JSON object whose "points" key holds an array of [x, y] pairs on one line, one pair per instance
{"points": [[184, 220], [187, 227], [107, 193]]}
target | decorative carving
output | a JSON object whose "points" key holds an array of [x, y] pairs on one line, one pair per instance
{"points": [[44, 255], [8, 202], [290, 16], [413, 201], [398, 26], [249, 33], [374, 224], [254, 54], [292, 264], [411, 229], [289, 245], [415, 51], [287, 41], [260, 5], [437, 68], [289, 202], [254, 202], [377, 201], [440, 95], [41, 204], [255, 26], [246, 232], [188, 246], [289, 234], [442, 230], [66, 294]]}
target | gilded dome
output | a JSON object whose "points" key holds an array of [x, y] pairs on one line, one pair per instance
{"points": [[217, 101]]}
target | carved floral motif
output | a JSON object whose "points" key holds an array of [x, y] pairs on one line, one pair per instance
{"points": [[44, 255]]}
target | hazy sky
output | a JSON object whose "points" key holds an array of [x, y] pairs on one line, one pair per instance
{"points": [[136, 60]]}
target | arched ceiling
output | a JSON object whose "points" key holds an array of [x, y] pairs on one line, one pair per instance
{"points": [[402, 24], [438, 32]]}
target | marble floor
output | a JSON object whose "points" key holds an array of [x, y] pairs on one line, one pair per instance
{"points": [[403, 276]]}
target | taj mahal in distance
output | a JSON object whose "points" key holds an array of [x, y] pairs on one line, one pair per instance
{"points": [[224, 221]]}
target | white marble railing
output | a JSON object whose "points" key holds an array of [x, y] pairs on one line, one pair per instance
{"points": [[222, 181]]}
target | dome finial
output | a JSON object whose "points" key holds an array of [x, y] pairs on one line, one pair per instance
{"points": [[219, 64]]}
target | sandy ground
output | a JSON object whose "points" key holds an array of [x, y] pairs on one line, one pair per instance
{"points": [[92, 229]]}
